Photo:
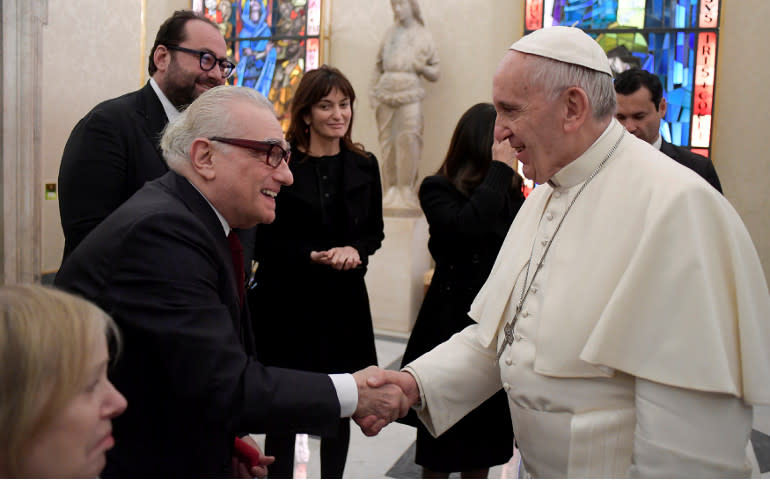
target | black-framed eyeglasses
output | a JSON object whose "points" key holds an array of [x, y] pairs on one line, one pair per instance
{"points": [[208, 60], [275, 152]]}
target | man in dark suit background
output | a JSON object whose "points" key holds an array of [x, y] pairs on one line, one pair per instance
{"points": [[114, 149], [641, 106], [161, 265]]}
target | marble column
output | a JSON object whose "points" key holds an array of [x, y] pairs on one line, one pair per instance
{"points": [[21, 191]]}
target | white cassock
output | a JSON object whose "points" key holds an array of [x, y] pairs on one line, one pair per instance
{"points": [[643, 341]]}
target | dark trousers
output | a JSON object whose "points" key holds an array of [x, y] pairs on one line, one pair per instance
{"points": [[334, 453]]}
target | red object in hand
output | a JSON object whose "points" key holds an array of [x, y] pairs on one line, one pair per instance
{"points": [[246, 453]]}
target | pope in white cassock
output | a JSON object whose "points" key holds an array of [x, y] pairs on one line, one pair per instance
{"points": [[627, 315]]}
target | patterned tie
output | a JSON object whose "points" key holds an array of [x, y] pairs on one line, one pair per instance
{"points": [[236, 250]]}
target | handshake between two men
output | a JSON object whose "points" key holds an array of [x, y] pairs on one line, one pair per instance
{"points": [[383, 397]]}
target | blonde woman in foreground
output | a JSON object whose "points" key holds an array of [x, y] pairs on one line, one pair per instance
{"points": [[56, 403]]}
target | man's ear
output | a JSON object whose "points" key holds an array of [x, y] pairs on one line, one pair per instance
{"points": [[662, 108], [202, 158], [162, 57], [576, 108]]}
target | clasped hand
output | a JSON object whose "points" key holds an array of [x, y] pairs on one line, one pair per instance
{"points": [[383, 397], [339, 258]]}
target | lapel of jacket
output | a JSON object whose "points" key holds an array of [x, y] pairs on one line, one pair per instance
{"points": [[201, 209], [149, 108], [668, 149]]}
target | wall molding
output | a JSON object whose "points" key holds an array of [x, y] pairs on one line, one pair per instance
{"points": [[20, 164]]}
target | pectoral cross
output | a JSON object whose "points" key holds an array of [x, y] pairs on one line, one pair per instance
{"points": [[508, 331]]}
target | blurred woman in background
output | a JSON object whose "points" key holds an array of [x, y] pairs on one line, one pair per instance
{"points": [[56, 403], [469, 204]]}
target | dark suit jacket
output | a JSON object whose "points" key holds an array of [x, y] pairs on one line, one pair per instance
{"points": [[110, 154], [697, 163], [161, 267]]}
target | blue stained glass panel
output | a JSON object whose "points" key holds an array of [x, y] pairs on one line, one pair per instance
{"points": [[622, 28], [558, 12], [268, 40], [603, 14], [672, 13], [597, 14]]}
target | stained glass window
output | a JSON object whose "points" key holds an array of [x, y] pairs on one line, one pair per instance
{"points": [[675, 39], [272, 42]]}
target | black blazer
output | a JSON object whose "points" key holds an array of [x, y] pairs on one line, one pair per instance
{"points": [[110, 154], [465, 236], [697, 163], [466, 233], [161, 267]]}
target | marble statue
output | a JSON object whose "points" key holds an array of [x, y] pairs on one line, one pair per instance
{"points": [[407, 53]]}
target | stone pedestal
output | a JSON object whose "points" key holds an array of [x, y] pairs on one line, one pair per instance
{"points": [[395, 276]]}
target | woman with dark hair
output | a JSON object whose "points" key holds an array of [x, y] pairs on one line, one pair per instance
{"points": [[469, 204], [310, 304]]}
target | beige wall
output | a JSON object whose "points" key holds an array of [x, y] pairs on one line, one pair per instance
{"points": [[89, 58], [90, 53], [742, 115]]}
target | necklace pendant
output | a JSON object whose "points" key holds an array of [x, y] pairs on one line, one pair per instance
{"points": [[508, 331]]}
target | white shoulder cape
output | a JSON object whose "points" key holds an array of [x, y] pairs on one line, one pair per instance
{"points": [[653, 273]]}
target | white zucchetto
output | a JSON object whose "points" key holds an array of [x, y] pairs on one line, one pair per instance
{"points": [[565, 44]]}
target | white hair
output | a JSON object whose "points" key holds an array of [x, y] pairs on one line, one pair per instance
{"points": [[554, 77], [208, 116]]}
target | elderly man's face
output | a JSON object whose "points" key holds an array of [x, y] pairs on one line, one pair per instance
{"points": [[638, 114], [525, 117], [183, 80], [246, 184]]}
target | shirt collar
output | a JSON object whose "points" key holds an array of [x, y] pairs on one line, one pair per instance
{"points": [[657, 143], [225, 225], [580, 168], [168, 107]]}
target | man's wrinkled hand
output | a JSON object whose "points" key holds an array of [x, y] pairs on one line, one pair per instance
{"points": [[404, 380], [378, 405]]}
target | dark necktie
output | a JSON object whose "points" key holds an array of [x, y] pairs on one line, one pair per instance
{"points": [[236, 250]]}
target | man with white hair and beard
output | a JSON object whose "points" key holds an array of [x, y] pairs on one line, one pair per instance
{"points": [[627, 313]]}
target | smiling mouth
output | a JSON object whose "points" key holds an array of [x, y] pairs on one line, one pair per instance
{"points": [[269, 193], [208, 85]]}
